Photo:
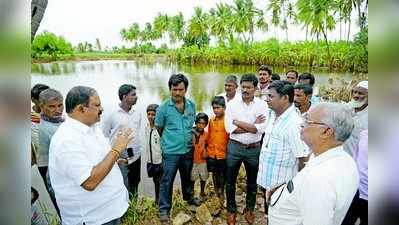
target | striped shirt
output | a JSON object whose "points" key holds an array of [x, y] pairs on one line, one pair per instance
{"points": [[282, 146], [239, 110]]}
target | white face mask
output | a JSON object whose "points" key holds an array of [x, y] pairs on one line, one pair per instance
{"points": [[356, 104]]}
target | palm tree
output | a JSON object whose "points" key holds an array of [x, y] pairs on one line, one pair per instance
{"points": [[161, 25], [317, 14], [344, 9], [148, 33], [176, 28], [221, 22], [98, 44], [275, 8], [198, 27]]}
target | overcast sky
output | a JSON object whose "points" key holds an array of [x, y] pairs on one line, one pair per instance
{"points": [[86, 20]]}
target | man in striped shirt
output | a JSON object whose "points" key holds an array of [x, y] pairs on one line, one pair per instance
{"points": [[283, 153]]}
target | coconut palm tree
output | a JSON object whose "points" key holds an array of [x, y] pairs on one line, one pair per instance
{"points": [[148, 34], [198, 28], [221, 22], [161, 25], [176, 28], [318, 15], [131, 34]]}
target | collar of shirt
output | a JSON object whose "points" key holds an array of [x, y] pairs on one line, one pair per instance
{"points": [[123, 111], [187, 104], [331, 153], [254, 100], [78, 125], [286, 113]]}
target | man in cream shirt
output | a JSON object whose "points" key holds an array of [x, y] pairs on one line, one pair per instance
{"points": [[87, 182], [321, 193]]}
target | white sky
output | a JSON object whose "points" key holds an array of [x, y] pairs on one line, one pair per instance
{"points": [[86, 20]]}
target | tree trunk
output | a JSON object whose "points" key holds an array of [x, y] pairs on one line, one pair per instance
{"points": [[328, 48], [286, 34], [349, 30], [340, 30], [38, 7]]}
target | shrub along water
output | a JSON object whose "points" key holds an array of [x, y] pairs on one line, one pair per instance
{"points": [[345, 56]]}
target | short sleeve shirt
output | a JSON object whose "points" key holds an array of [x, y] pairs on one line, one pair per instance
{"points": [[74, 150], [176, 135]]}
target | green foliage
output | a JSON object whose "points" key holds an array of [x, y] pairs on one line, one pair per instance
{"points": [[50, 44], [344, 56]]}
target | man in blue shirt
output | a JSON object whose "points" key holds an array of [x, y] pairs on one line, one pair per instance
{"points": [[174, 121]]}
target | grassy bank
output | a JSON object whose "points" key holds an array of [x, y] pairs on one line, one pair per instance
{"points": [[93, 56], [344, 56]]}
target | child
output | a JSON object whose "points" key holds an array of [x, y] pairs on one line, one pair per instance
{"points": [[152, 140], [200, 138], [217, 146]]}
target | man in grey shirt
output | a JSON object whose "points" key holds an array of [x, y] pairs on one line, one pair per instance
{"points": [[52, 106]]}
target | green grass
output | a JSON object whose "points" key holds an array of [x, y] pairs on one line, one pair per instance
{"points": [[92, 56]]}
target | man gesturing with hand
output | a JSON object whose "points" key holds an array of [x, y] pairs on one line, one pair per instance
{"points": [[87, 182]]}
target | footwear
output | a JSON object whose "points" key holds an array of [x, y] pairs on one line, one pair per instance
{"points": [[194, 201], [164, 219], [249, 216], [231, 219]]}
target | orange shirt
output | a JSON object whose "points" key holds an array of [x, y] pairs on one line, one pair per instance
{"points": [[200, 147], [218, 138]]}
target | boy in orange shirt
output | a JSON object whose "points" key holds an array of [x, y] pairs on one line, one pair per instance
{"points": [[200, 138], [217, 146]]}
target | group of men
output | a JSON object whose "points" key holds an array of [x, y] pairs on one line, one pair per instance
{"points": [[290, 143]]}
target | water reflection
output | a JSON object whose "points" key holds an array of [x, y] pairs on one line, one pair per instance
{"points": [[151, 78]]}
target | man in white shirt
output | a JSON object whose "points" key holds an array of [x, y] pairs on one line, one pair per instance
{"points": [[283, 152], [87, 182], [359, 105], [230, 89], [128, 117], [321, 193], [245, 123]]}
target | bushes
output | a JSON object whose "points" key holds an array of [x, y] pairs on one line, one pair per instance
{"points": [[49, 44], [345, 56]]}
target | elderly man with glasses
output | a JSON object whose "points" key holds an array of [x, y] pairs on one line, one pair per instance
{"points": [[322, 192]]}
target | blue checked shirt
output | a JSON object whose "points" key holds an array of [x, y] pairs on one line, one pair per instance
{"points": [[282, 146]]}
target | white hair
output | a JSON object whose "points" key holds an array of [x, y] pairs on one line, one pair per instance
{"points": [[49, 94], [339, 117]]}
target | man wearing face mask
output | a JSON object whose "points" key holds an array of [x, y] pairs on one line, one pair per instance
{"points": [[359, 104]]}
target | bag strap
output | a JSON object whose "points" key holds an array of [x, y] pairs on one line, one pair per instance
{"points": [[152, 129]]}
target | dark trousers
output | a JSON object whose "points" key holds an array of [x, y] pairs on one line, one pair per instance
{"points": [[131, 176], [157, 180], [358, 209], [171, 163], [236, 155], [43, 173], [134, 177]]}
